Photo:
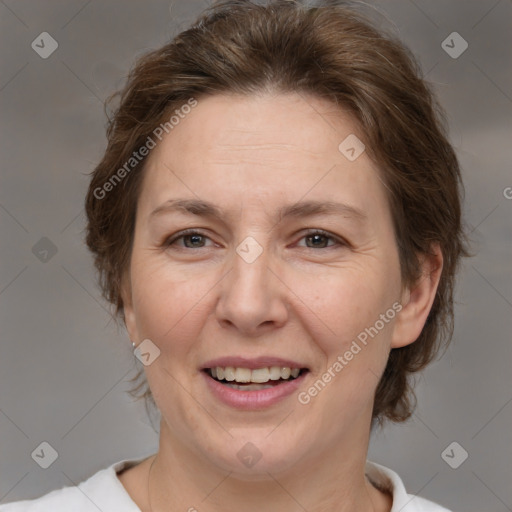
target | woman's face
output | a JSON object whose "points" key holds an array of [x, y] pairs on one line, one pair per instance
{"points": [[255, 286]]}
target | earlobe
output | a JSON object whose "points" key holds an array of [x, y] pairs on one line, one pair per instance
{"points": [[417, 300], [128, 311], [129, 322]]}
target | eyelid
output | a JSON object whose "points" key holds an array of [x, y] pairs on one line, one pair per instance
{"points": [[168, 241], [317, 231]]}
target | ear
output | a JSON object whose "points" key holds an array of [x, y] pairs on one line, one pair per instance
{"points": [[417, 300], [128, 310]]}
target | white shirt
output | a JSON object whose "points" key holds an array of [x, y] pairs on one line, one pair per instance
{"points": [[104, 491]]}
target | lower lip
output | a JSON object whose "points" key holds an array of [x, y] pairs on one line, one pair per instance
{"points": [[257, 399]]}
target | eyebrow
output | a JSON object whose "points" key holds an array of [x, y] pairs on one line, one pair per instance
{"points": [[206, 209]]}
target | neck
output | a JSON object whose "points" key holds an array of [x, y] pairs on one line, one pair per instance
{"points": [[331, 481]]}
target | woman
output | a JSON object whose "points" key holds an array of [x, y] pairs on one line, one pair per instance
{"points": [[277, 220]]}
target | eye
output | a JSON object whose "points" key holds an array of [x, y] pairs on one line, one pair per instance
{"points": [[191, 240], [319, 239]]}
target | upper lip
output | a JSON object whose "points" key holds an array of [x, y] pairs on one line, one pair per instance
{"points": [[253, 363]]}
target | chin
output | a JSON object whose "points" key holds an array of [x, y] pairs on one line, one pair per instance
{"points": [[252, 453]]}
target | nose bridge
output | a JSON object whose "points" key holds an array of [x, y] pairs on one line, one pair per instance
{"points": [[250, 279], [251, 297], [250, 265]]}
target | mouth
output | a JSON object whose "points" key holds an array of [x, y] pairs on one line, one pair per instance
{"points": [[255, 379], [253, 384]]}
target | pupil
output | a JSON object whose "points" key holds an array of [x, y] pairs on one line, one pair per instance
{"points": [[317, 238], [194, 239]]}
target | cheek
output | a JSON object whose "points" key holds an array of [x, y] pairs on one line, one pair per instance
{"points": [[355, 344], [168, 305], [358, 307], [344, 303]]}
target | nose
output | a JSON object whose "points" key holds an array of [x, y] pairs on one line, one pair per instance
{"points": [[252, 298]]}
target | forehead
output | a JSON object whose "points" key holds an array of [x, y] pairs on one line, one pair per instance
{"points": [[259, 148], [267, 124]]}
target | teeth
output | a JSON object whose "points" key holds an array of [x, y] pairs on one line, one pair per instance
{"points": [[249, 387], [242, 375], [257, 376], [275, 373], [229, 373], [260, 375]]}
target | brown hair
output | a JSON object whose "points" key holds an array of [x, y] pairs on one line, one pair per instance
{"points": [[331, 51]]}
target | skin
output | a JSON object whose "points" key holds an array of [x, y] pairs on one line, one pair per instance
{"points": [[300, 299]]}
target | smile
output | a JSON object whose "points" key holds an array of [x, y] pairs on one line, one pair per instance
{"points": [[253, 388], [253, 379]]}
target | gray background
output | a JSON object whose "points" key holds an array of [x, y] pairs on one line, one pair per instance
{"points": [[64, 365]]}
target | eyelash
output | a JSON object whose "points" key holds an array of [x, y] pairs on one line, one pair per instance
{"points": [[188, 232]]}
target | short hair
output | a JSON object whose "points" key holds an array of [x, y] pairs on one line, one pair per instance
{"points": [[330, 50]]}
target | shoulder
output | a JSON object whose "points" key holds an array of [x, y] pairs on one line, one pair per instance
{"points": [[385, 478], [102, 491], [58, 500]]}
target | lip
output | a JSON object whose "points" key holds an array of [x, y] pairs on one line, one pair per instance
{"points": [[252, 364], [252, 400]]}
